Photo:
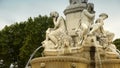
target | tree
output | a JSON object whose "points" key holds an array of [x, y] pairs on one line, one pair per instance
{"points": [[19, 40], [117, 43]]}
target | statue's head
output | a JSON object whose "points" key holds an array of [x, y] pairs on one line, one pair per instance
{"points": [[90, 7], [54, 14], [84, 1], [103, 15]]}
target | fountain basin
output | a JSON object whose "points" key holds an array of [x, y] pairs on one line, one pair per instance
{"points": [[71, 62], [59, 62]]}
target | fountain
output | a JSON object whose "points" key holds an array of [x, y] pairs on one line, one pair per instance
{"points": [[78, 41]]}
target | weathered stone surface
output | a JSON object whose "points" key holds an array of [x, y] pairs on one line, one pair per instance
{"points": [[77, 41]]}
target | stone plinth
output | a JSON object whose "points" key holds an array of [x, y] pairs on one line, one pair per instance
{"points": [[111, 63], [71, 62], [59, 62], [83, 57], [73, 16], [59, 52]]}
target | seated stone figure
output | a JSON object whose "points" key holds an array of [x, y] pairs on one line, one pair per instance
{"points": [[104, 37], [98, 26], [111, 49], [87, 19], [54, 36], [97, 29]]}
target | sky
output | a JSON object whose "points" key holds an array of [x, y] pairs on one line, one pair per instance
{"points": [[12, 11]]}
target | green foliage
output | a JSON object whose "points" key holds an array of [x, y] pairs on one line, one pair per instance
{"points": [[19, 40], [117, 43]]}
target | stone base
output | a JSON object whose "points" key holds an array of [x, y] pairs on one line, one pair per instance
{"points": [[71, 62], [59, 52], [111, 63], [82, 52], [59, 62]]}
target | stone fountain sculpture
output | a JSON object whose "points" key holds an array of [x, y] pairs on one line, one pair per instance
{"points": [[78, 41]]}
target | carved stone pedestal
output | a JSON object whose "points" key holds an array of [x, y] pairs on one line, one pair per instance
{"points": [[60, 62], [71, 62], [111, 63], [73, 16], [84, 57]]}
